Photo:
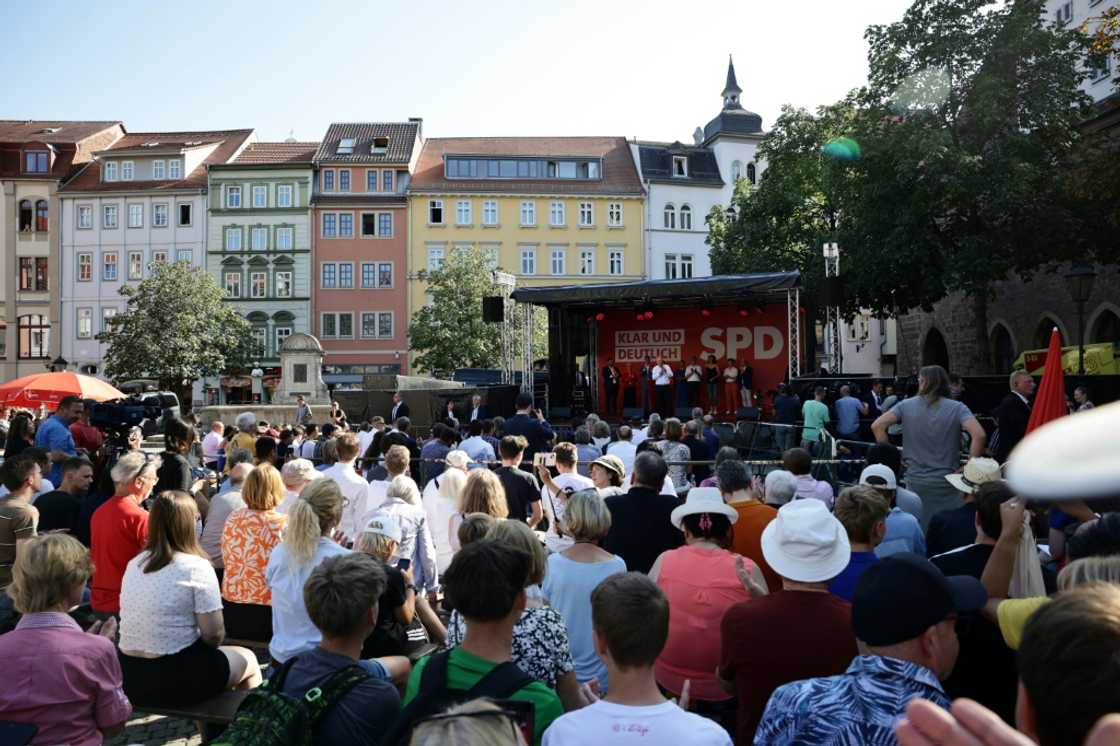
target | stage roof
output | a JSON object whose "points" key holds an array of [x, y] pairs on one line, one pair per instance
{"points": [[699, 291]]}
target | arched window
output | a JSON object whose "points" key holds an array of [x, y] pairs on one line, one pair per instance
{"points": [[41, 216], [934, 350], [1042, 333], [1106, 328], [25, 216], [736, 171], [34, 337], [1003, 349], [752, 174], [686, 218], [670, 216]]}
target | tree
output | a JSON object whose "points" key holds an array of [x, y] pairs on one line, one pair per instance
{"points": [[176, 329], [449, 332]]}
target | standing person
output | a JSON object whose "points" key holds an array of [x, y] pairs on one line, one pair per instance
{"points": [[175, 471], [86, 437], [787, 407], [441, 499], [875, 399], [523, 496], [800, 632], [630, 620], [1081, 400], [530, 424], [475, 446], [903, 531], [303, 411], [741, 494], [611, 380], [730, 386], [478, 411], [931, 445], [399, 408], [354, 488], [814, 414], [693, 374], [1013, 414], [119, 528], [863, 513], [556, 491], [434, 453], [18, 517], [54, 435], [746, 384], [402, 502], [674, 450], [848, 411], [662, 375], [712, 378], [640, 526], [644, 382], [21, 436], [244, 437], [212, 445], [624, 448], [60, 509]]}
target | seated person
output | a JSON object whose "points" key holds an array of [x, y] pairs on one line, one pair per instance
{"points": [[398, 630]]}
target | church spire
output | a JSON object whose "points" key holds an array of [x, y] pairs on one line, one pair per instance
{"points": [[731, 89]]}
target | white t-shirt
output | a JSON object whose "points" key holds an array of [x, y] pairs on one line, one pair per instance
{"points": [[662, 374], [625, 450], [439, 510], [652, 725], [365, 437], [211, 446], [158, 608], [567, 484], [693, 373], [356, 491], [667, 487], [292, 630]]}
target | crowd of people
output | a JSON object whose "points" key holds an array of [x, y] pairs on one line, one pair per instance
{"points": [[504, 581]]}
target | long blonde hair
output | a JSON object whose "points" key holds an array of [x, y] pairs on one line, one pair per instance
{"points": [[483, 493], [312, 517]]}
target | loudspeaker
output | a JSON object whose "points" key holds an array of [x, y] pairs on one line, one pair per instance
{"points": [[634, 413], [832, 292], [747, 413], [493, 309]]}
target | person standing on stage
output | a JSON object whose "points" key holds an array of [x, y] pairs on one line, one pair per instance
{"points": [[644, 383], [692, 375], [712, 378], [746, 384], [611, 379], [662, 375], [731, 385]]}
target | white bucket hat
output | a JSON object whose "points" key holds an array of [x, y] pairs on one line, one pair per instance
{"points": [[976, 471], [703, 500], [385, 524], [805, 543], [1070, 458]]}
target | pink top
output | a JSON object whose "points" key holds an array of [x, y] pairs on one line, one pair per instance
{"points": [[701, 585], [66, 681]]}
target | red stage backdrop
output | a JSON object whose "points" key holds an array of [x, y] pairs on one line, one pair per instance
{"points": [[758, 339]]}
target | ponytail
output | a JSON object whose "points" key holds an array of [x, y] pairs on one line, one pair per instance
{"points": [[314, 514]]}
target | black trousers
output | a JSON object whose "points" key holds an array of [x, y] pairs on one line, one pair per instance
{"points": [[664, 400]]}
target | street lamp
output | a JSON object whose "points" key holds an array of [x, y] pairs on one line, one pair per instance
{"points": [[1080, 279]]}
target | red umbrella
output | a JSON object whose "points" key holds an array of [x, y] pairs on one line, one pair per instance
{"points": [[1050, 401], [51, 388]]}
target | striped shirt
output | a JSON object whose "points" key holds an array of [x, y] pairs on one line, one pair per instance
{"points": [[18, 520]]}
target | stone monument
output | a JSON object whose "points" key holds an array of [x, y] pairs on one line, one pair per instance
{"points": [[301, 371]]}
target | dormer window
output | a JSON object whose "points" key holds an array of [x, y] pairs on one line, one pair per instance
{"points": [[37, 162], [379, 146], [680, 165], [345, 146], [110, 170], [126, 170], [159, 170], [174, 169]]}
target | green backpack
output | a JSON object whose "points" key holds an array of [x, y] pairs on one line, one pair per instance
{"points": [[268, 717]]}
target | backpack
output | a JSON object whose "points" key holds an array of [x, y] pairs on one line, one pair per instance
{"points": [[434, 697], [268, 717]]}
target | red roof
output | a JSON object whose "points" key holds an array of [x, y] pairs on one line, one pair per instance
{"points": [[619, 174], [278, 152], [28, 130], [72, 144], [229, 141]]}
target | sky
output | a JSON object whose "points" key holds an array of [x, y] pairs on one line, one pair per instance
{"points": [[652, 69]]}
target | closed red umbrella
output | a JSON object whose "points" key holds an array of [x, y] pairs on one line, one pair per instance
{"points": [[51, 388], [1050, 400]]}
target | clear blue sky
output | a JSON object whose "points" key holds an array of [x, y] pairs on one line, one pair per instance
{"points": [[652, 69]]}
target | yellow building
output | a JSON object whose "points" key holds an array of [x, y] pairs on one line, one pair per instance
{"points": [[549, 210]]}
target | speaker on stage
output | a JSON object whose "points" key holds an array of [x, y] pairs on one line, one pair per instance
{"points": [[747, 413], [493, 309], [633, 413]]}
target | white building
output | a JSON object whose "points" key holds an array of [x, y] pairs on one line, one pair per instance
{"points": [[143, 200], [1098, 82]]}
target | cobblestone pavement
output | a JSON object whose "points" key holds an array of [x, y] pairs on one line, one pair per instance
{"points": [[155, 730]]}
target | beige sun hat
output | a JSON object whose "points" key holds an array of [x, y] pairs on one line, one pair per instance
{"points": [[976, 471]]}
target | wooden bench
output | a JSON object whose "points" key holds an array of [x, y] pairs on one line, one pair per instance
{"points": [[216, 711]]}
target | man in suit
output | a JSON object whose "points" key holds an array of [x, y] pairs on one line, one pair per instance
{"points": [[531, 425], [478, 410], [611, 379], [400, 409], [1013, 413], [402, 436]]}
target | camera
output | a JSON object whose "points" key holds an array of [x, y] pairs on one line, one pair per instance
{"points": [[120, 415]]}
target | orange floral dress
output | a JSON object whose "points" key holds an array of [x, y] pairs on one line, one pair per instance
{"points": [[248, 539]]}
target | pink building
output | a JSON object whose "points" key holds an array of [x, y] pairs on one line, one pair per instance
{"points": [[360, 247]]}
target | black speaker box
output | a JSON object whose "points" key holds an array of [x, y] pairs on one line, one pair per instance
{"points": [[493, 309]]}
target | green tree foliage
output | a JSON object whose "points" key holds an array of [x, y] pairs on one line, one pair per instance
{"points": [[176, 329], [449, 332]]}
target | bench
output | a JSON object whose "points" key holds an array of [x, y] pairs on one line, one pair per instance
{"points": [[217, 711]]}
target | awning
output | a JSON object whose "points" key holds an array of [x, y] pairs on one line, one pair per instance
{"points": [[235, 382], [714, 290], [337, 378]]}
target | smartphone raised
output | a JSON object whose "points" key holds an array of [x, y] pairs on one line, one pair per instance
{"points": [[404, 564]]}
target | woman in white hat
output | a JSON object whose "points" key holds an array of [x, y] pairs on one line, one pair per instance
{"points": [[702, 580]]}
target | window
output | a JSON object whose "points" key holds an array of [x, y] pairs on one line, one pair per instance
{"points": [[36, 162], [26, 216], [490, 212], [85, 266], [109, 266], [284, 196], [159, 257], [736, 171], [136, 265], [587, 261], [528, 213], [328, 276], [680, 165], [85, 217], [491, 252], [345, 146], [233, 284], [136, 216], [184, 255], [344, 180], [258, 239], [34, 337], [556, 213], [678, 266], [377, 324], [385, 224], [330, 225], [328, 180], [109, 216], [435, 258], [752, 173], [107, 316], [85, 323], [42, 216], [346, 275], [110, 173], [371, 180], [159, 169], [463, 212], [385, 274], [284, 238], [1064, 12], [586, 214], [615, 257], [346, 225], [159, 216], [283, 284], [614, 214], [670, 217], [174, 169], [33, 274], [386, 180], [686, 266], [282, 334], [233, 239], [369, 224], [557, 261], [528, 261], [686, 218], [379, 146], [670, 266], [233, 196], [127, 170], [1101, 71], [337, 324], [435, 211], [258, 284], [260, 196], [260, 340], [186, 212], [369, 275]]}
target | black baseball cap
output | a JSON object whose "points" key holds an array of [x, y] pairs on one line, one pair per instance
{"points": [[900, 597]]}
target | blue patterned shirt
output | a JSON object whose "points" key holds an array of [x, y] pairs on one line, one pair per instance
{"points": [[857, 708]]}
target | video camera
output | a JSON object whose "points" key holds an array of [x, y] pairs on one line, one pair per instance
{"points": [[120, 415]]}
